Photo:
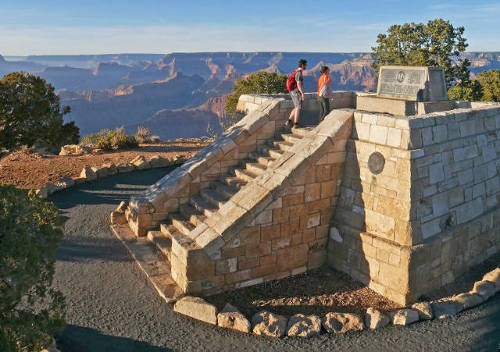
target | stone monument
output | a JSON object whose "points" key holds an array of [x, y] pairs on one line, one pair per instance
{"points": [[408, 90]]}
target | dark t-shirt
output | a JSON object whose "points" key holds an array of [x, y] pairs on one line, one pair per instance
{"points": [[299, 78]]}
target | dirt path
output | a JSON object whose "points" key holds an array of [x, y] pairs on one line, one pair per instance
{"points": [[112, 307]]}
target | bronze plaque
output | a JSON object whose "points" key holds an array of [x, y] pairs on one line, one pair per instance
{"points": [[376, 163]]}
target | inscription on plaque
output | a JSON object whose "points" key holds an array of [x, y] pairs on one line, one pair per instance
{"points": [[412, 83]]}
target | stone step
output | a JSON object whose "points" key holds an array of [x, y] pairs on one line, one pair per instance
{"points": [[161, 241], [213, 197], [202, 205], [302, 131], [223, 188], [283, 145], [191, 214], [291, 138], [255, 168], [181, 224], [265, 160], [234, 181], [171, 231], [245, 175], [276, 153]]}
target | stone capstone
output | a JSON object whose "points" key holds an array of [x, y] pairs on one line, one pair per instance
{"points": [[303, 325], [269, 324], [231, 318], [424, 310], [445, 308], [197, 308], [342, 322], [375, 319], [484, 288], [405, 317]]}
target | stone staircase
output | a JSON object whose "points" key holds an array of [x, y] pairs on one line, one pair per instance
{"points": [[182, 224]]}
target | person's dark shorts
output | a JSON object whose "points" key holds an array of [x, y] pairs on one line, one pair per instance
{"points": [[296, 99]]}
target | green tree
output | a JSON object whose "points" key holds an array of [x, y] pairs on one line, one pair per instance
{"points": [[30, 311], [471, 91], [436, 43], [30, 110], [256, 83], [490, 82]]}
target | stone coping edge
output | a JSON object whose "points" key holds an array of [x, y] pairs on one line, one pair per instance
{"points": [[94, 173], [269, 324]]}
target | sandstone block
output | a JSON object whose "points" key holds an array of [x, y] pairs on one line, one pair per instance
{"points": [[231, 318], [269, 324], [484, 288], [304, 325], [424, 310], [375, 319], [446, 308], [88, 173], [342, 322], [117, 218], [197, 308], [493, 276], [468, 300], [405, 317]]}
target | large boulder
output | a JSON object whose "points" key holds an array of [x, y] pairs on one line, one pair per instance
{"points": [[158, 161], [303, 325], [493, 276], [342, 322], [484, 288], [197, 308], [445, 308], [269, 324], [88, 173], [468, 300], [140, 163], [231, 318]]}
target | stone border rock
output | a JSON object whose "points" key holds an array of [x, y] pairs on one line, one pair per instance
{"points": [[274, 325], [92, 173]]}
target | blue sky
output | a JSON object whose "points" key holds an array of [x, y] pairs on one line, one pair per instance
{"points": [[163, 26]]}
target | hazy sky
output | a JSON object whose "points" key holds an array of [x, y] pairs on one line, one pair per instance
{"points": [[163, 26]]}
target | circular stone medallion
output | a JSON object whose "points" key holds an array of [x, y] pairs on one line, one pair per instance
{"points": [[376, 163]]}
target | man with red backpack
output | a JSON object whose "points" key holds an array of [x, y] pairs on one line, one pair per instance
{"points": [[294, 86]]}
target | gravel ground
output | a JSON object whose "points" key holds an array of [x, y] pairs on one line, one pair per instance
{"points": [[112, 307]]}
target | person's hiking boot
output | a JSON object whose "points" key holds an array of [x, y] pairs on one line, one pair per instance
{"points": [[289, 123]]}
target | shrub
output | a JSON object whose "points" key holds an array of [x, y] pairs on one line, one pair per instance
{"points": [[143, 135], [110, 139], [30, 110], [30, 310]]}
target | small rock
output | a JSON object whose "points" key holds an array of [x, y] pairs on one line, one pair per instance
{"points": [[493, 276], [65, 182], [197, 308], [47, 190], [71, 149], [424, 310], [231, 318], [88, 173], [140, 162], [100, 171], [342, 322], [484, 288], [445, 308], [303, 325], [375, 319], [269, 324], [405, 317], [125, 168], [468, 300], [158, 161], [112, 170]]}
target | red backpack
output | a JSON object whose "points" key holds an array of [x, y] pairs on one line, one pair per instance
{"points": [[291, 83]]}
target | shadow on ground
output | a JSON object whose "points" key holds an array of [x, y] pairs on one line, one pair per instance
{"points": [[111, 190], [80, 339]]}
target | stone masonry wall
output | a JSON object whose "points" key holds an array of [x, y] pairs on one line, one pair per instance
{"points": [[431, 212], [277, 225]]}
